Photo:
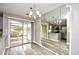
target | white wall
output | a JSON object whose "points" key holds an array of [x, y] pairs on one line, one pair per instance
{"points": [[5, 29], [74, 28], [38, 31], [4, 26]]}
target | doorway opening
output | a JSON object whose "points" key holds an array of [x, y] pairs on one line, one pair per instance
{"points": [[20, 33]]}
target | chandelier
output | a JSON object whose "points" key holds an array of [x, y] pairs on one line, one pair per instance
{"points": [[34, 13]]}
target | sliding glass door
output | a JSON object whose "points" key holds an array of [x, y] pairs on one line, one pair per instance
{"points": [[26, 32], [20, 33]]}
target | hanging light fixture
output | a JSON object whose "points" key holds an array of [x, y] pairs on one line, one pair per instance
{"points": [[34, 13]]}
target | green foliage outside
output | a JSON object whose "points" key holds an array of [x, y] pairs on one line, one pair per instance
{"points": [[16, 29]]}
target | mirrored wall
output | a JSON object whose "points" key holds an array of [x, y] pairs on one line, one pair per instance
{"points": [[1, 34], [54, 30]]}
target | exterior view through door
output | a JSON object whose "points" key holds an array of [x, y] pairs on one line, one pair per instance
{"points": [[20, 32]]}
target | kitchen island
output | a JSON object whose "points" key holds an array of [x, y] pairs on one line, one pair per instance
{"points": [[54, 36]]}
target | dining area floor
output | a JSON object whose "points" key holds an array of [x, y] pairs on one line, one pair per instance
{"points": [[28, 49]]}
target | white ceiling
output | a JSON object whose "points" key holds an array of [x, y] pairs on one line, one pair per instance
{"points": [[21, 9]]}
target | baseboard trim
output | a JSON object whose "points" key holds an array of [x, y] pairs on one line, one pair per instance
{"points": [[5, 50], [46, 48]]}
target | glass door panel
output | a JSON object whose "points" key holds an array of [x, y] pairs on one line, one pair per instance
{"points": [[15, 33], [27, 33]]}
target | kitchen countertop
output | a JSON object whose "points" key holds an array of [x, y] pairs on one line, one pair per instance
{"points": [[54, 36]]}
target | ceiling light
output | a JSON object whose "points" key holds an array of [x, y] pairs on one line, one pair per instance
{"points": [[38, 13], [34, 13], [34, 17], [31, 12]]}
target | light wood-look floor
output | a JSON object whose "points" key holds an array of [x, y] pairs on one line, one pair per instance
{"points": [[59, 47], [28, 49]]}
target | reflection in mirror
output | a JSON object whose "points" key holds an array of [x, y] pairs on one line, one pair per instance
{"points": [[1, 34], [54, 30]]}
